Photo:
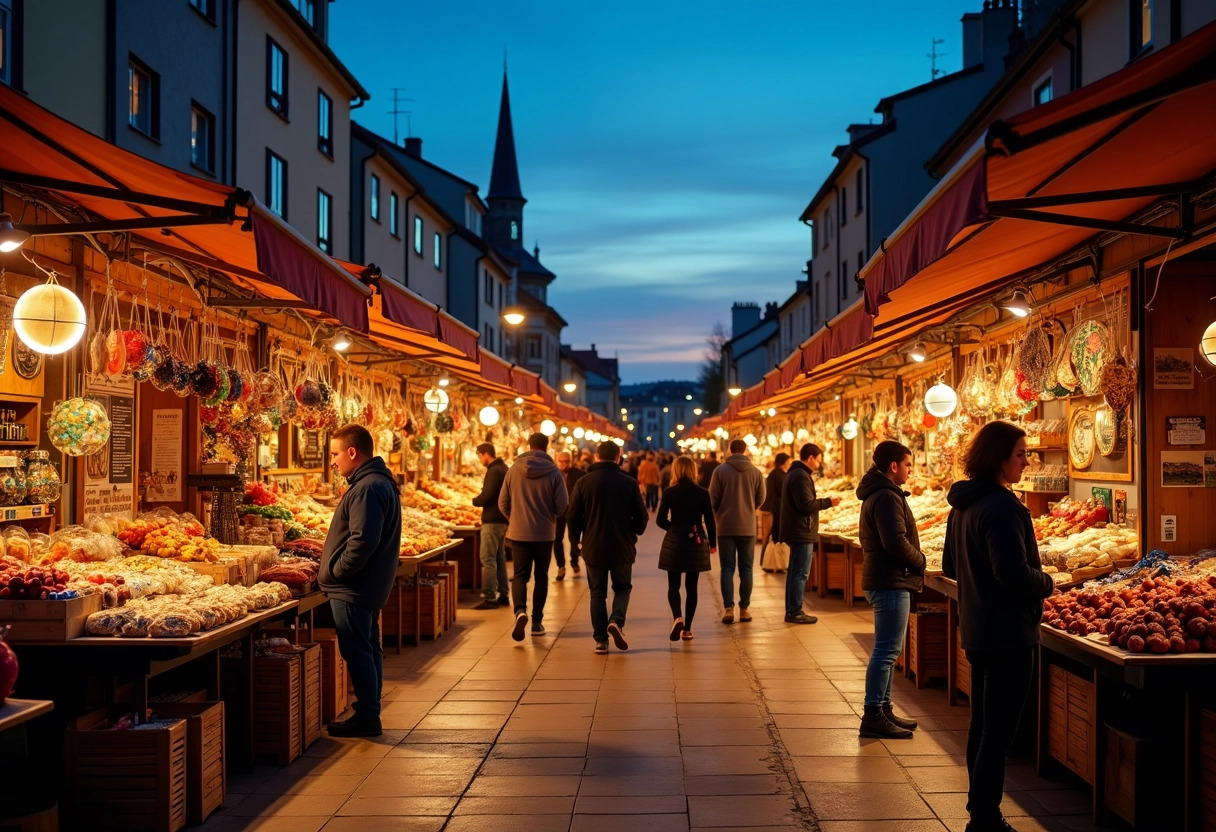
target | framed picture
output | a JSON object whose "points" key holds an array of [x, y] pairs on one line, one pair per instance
{"points": [[1100, 445], [26, 362]]}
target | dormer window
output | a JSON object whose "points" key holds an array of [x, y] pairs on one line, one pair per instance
{"points": [[514, 230]]}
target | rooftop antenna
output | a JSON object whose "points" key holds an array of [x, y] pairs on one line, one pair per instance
{"points": [[397, 111], [933, 56]]}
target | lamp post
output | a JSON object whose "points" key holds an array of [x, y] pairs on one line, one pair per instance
{"points": [[514, 318]]}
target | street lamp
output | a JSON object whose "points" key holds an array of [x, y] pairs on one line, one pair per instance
{"points": [[734, 391], [513, 316], [570, 386]]}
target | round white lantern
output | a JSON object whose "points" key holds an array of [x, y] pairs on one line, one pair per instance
{"points": [[620, 443], [1207, 345], [548, 428], [787, 437], [750, 439], [436, 400], [941, 400], [49, 319], [579, 433], [712, 444], [772, 440], [488, 416]]}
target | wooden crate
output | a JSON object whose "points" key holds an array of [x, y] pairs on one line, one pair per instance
{"points": [[451, 569], [48, 620], [926, 647], [962, 667], [858, 567], [310, 693], [125, 779], [224, 571], [432, 624], [206, 781], [836, 562], [1206, 779], [335, 680], [1071, 729], [277, 698]]}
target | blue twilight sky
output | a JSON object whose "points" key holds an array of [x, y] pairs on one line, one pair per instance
{"points": [[666, 148]]}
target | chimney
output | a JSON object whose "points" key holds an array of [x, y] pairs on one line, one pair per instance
{"points": [[593, 347], [413, 147], [973, 39], [743, 316], [1000, 20]]}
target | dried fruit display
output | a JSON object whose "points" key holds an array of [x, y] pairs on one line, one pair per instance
{"points": [[1156, 615]]}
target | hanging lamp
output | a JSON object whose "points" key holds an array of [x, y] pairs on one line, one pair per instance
{"points": [[49, 318]]}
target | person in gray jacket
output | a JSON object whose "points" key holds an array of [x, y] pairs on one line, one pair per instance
{"points": [[533, 495], [736, 488]]}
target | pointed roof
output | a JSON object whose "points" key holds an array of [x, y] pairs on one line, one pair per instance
{"points": [[504, 177]]}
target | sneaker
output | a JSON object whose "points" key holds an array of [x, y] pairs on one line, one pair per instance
{"points": [[561, 573], [601, 647], [728, 617], [521, 624], [355, 727], [487, 605], [800, 618], [686, 635], [677, 627], [538, 629], [744, 614], [618, 638]]}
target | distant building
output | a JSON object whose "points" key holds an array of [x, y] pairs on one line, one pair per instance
{"points": [[657, 410], [602, 380], [748, 355]]}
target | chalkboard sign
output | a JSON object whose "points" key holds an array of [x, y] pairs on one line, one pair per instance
{"points": [[310, 449]]}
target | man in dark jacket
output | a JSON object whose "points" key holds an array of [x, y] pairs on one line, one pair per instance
{"points": [[707, 468], [736, 490], [607, 514], [533, 496], [493, 531], [894, 568], [572, 476], [774, 484], [800, 527], [358, 567]]}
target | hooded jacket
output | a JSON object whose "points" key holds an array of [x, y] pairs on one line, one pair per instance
{"points": [[991, 551], [360, 557], [533, 494], [736, 489], [800, 507], [890, 542], [606, 515], [491, 487]]}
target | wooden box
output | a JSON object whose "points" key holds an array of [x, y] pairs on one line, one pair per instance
{"points": [[451, 569], [205, 775], [310, 693], [48, 620], [125, 779], [962, 667], [1071, 729], [335, 680], [858, 567], [223, 571], [836, 563], [432, 623], [1206, 778], [277, 700], [926, 647]]}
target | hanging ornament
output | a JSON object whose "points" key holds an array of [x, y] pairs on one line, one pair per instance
{"points": [[489, 416], [436, 400], [48, 318], [941, 400]]}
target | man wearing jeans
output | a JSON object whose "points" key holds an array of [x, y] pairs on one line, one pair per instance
{"points": [[493, 531], [607, 513], [736, 488], [358, 567], [800, 527], [894, 569], [533, 495]]}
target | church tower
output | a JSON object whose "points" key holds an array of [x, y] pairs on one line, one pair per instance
{"points": [[504, 221]]}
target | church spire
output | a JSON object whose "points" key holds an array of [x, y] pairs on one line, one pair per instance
{"points": [[504, 176]]}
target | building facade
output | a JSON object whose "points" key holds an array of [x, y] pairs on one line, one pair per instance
{"points": [[660, 412], [603, 380], [747, 356]]}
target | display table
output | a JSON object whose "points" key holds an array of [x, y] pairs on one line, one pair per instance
{"points": [[467, 555], [16, 711], [838, 567], [958, 672], [408, 567]]}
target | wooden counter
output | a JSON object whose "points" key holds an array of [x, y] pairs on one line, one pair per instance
{"points": [[16, 711]]}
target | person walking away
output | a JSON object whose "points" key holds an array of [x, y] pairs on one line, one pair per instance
{"points": [[358, 568], [688, 518], [607, 514], [736, 487], [800, 509], [649, 478], [494, 586], [990, 550], [894, 568], [533, 496], [665, 472], [571, 475], [770, 510], [708, 466]]}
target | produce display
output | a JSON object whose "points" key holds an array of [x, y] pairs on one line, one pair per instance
{"points": [[170, 543], [295, 571], [1069, 517], [442, 503], [22, 582], [166, 616], [1088, 553]]}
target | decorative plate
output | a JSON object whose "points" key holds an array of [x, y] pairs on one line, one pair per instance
{"points": [[1106, 430], [26, 362], [1090, 348], [1081, 439]]}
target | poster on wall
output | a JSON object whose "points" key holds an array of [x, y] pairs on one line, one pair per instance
{"points": [[1209, 469], [1173, 368], [1182, 469], [162, 481], [109, 474], [1186, 430]]}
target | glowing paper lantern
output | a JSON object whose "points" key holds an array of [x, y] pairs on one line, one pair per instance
{"points": [[488, 416], [49, 319], [548, 428], [1207, 344], [941, 400], [436, 400], [787, 437], [750, 439]]}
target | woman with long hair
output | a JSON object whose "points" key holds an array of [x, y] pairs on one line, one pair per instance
{"points": [[990, 550], [686, 515]]}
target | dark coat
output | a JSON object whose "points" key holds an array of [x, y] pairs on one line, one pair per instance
{"points": [[686, 515], [607, 514], [573, 475], [773, 486], [991, 551], [707, 472], [360, 557], [800, 507], [496, 472], [890, 542]]}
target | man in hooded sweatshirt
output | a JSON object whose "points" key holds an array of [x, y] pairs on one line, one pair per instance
{"points": [[358, 568], [736, 488], [533, 495]]}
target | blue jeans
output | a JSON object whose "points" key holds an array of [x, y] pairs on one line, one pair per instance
{"points": [[799, 569], [891, 608], [732, 548], [597, 585], [531, 559], [493, 561], [358, 631]]}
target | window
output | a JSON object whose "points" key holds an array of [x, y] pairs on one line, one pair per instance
{"points": [[487, 293], [394, 225], [374, 193], [844, 205], [533, 346], [514, 230], [418, 235], [202, 138], [843, 280], [6, 41], [276, 77], [501, 294], [325, 124], [826, 235], [438, 251], [144, 89], [860, 188], [1141, 25], [1042, 92], [204, 7], [276, 183], [487, 337], [307, 10], [325, 216]]}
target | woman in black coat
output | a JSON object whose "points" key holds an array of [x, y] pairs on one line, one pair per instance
{"points": [[685, 513]]}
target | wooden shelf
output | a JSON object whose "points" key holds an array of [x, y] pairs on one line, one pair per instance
{"points": [[1030, 448], [36, 512], [1037, 491]]}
